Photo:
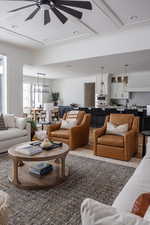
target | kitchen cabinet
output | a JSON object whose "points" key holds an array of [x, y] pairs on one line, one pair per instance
{"points": [[119, 90]]}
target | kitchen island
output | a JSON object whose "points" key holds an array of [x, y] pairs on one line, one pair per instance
{"points": [[98, 115]]}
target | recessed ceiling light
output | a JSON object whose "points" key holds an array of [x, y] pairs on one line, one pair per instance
{"points": [[14, 26], [75, 32], [133, 17]]}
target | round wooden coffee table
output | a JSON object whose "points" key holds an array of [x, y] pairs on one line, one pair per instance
{"points": [[19, 174]]}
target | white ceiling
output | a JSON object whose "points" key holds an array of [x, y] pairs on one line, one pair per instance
{"points": [[137, 61], [106, 17]]}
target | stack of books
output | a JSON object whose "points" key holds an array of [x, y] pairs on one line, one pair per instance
{"points": [[41, 169], [29, 150]]}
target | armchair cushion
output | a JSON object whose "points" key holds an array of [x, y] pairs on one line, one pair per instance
{"points": [[62, 133], [111, 140]]}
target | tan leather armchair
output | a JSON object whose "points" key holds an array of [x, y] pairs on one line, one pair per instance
{"points": [[115, 146], [75, 137]]}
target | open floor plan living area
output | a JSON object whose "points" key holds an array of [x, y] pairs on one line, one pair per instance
{"points": [[74, 112]]}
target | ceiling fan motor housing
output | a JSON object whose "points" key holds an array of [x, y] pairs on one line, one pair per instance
{"points": [[45, 5]]}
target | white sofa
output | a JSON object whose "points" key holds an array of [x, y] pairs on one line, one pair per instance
{"points": [[139, 183], [14, 135]]}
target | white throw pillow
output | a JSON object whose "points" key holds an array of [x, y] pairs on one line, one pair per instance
{"points": [[9, 120], [96, 213], [67, 124], [118, 130], [21, 123]]}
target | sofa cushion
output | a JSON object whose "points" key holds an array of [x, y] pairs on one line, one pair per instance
{"points": [[61, 133], [10, 120], [111, 140], [12, 133], [96, 213], [20, 123]]}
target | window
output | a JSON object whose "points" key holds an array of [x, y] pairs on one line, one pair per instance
{"points": [[32, 95], [37, 95], [2, 84]]}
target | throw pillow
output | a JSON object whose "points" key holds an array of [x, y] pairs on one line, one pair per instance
{"points": [[118, 130], [67, 124], [9, 120], [2, 123], [96, 213], [141, 204], [20, 123]]}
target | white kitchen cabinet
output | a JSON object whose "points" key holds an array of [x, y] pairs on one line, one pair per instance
{"points": [[119, 91]]}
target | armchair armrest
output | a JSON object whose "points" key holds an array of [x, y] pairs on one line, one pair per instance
{"points": [[79, 135], [54, 127], [130, 143], [99, 132]]}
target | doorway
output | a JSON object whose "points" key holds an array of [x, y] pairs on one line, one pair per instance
{"points": [[89, 94]]}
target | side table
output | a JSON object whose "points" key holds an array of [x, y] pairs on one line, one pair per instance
{"points": [[145, 133], [44, 123]]}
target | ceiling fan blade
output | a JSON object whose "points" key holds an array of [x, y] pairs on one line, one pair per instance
{"points": [[70, 11], [46, 17], [21, 0], [78, 4], [24, 7], [33, 14], [60, 16]]}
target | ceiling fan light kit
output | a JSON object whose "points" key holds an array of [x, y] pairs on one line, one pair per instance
{"points": [[57, 7]]}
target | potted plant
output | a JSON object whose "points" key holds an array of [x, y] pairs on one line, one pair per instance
{"points": [[33, 127], [55, 98]]}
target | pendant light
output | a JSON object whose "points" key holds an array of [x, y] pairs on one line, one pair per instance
{"points": [[102, 84]]}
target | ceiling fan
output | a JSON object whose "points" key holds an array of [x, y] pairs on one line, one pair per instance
{"points": [[56, 6]]}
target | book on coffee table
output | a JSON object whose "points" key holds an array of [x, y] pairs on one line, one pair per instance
{"points": [[29, 150], [41, 169]]}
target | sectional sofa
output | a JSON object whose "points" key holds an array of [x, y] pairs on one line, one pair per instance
{"points": [[95, 213], [18, 131]]}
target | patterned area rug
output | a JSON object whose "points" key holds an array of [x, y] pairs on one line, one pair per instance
{"points": [[90, 178]]}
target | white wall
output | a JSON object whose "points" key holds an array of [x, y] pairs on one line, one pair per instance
{"points": [[16, 57], [72, 89], [139, 79]]}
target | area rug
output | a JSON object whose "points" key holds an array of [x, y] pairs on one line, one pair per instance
{"points": [[89, 178]]}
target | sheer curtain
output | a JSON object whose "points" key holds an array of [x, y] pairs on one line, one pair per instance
{"points": [[2, 84], [32, 95]]}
